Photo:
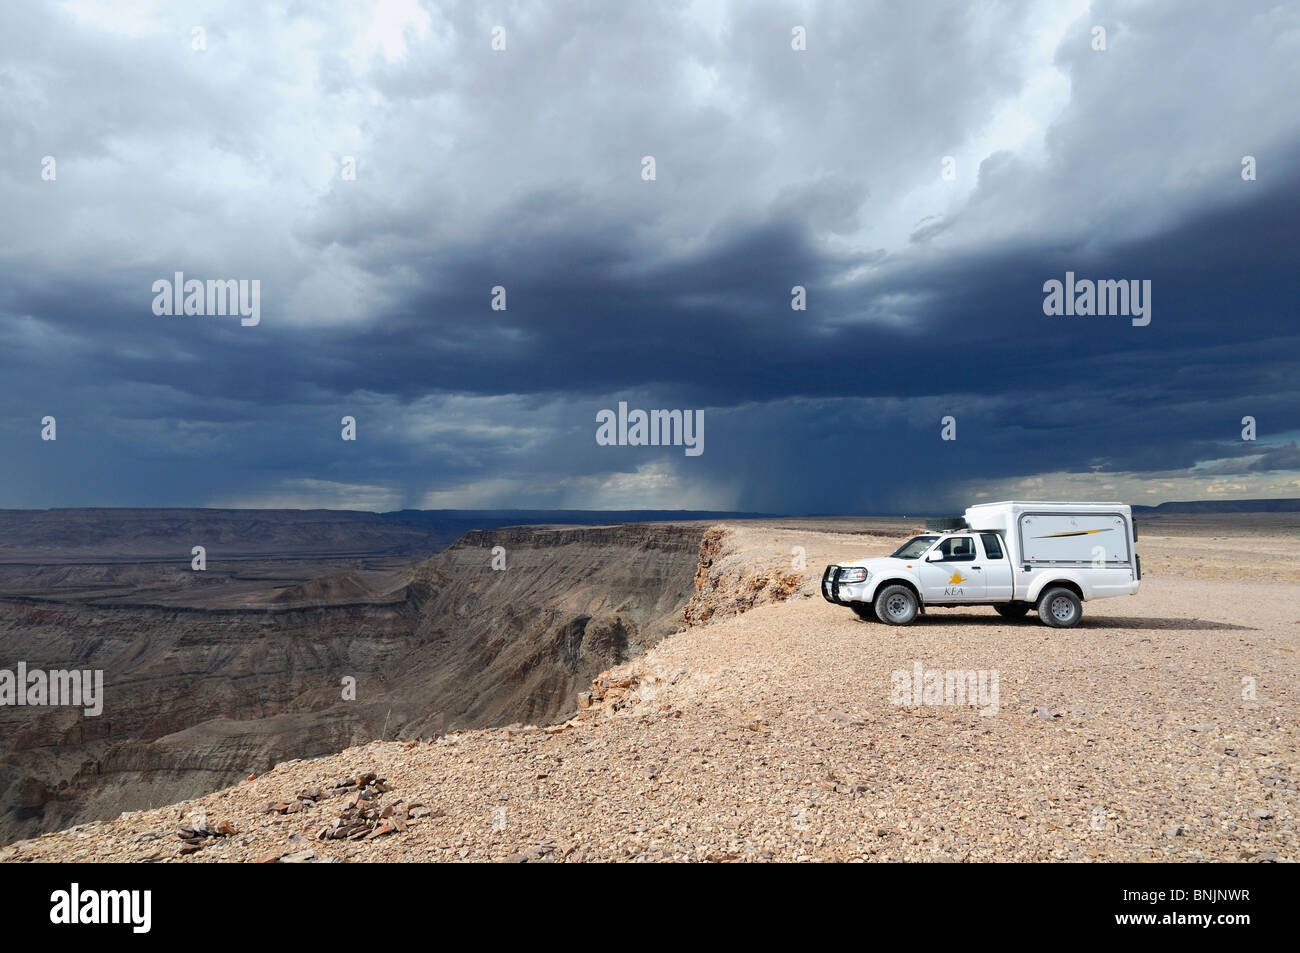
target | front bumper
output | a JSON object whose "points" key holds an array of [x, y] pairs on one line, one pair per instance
{"points": [[831, 585], [842, 593]]}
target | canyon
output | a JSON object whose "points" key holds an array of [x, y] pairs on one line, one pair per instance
{"points": [[308, 633]]}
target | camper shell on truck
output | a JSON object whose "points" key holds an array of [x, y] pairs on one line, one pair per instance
{"points": [[1015, 556]]}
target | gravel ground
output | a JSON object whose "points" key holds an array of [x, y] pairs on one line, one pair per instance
{"points": [[773, 735]]}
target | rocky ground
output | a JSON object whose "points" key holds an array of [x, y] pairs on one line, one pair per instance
{"points": [[1163, 728]]}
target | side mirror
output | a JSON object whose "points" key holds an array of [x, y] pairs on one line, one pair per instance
{"points": [[934, 557]]}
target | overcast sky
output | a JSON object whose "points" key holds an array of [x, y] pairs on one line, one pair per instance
{"points": [[216, 143]]}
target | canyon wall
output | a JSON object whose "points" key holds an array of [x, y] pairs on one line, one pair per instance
{"points": [[208, 679]]}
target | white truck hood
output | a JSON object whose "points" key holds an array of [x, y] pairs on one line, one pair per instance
{"points": [[881, 563]]}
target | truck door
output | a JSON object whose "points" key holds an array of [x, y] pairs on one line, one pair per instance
{"points": [[954, 572], [997, 568]]}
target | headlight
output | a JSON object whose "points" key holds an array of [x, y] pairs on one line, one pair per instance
{"points": [[853, 574]]}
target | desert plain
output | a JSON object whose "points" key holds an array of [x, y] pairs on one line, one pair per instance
{"points": [[1163, 727]]}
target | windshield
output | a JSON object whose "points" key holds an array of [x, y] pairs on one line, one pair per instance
{"points": [[914, 547]]}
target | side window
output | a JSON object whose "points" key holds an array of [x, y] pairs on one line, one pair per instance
{"points": [[958, 549], [992, 545]]}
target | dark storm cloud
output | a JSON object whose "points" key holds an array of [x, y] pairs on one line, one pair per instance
{"points": [[776, 169]]}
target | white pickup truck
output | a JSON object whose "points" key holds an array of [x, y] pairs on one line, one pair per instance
{"points": [[1014, 556]]}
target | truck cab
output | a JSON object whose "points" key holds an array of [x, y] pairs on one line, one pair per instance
{"points": [[1014, 556]]}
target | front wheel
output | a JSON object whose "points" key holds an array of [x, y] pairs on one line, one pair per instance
{"points": [[1060, 608], [1012, 610], [896, 605]]}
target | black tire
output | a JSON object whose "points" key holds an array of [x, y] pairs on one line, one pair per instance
{"points": [[1060, 608], [865, 611], [896, 605], [1012, 610]]}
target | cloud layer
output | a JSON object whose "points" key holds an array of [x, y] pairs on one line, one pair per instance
{"points": [[522, 168]]}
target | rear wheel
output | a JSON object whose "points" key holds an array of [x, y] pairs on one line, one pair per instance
{"points": [[1012, 610], [896, 605], [865, 611], [1060, 608]]}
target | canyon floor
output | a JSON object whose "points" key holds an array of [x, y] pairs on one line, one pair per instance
{"points": [[1164, 727]]}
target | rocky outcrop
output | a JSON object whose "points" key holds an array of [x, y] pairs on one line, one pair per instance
{"points": [[734, 576]]}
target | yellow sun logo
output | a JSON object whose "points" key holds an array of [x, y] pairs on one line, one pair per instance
{"points": [[957, 579]]}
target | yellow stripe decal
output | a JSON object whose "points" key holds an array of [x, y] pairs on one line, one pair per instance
{"points": [[1082, 532]]}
